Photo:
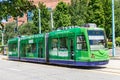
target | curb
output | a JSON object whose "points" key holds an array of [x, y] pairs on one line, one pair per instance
{"points": [[115, 58]]}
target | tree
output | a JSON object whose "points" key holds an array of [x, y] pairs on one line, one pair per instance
{"points": [[78, 10], [27, 29], [45, 17], [9, 31], [62, 17], [108, 17], [14, 8], [117, 18], [95, 13], [117, 40], [92, 11]]}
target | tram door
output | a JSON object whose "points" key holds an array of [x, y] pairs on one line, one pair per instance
{"points": [[71, 48], [40, 50]]}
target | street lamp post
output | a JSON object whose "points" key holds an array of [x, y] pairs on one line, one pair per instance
{"points": [[51, 17], [52, 20], [16, 25], [39, 21], [113, 30]]}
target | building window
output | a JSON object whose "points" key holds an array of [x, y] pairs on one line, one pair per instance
{"points": [[29, 16]]}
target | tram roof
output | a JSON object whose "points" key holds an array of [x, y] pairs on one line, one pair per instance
{"points": [[33, 36], [71, 31], [13, 39]]}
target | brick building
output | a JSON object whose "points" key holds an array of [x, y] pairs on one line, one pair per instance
{"points": [[49, 3]]}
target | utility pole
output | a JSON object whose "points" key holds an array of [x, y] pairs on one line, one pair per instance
{"points": [[2, 37], [113, 30], [39, 21], [2, 31]]}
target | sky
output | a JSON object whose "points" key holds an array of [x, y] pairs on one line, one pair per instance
{"points": [[2, 0]]}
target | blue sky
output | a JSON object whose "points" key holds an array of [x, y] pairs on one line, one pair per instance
{"points": [[2, 0]]}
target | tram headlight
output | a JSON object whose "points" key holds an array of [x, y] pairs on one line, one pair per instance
{"points": [[92, 55]]}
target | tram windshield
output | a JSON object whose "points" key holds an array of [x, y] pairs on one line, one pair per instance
{"points": [[96, 39]]}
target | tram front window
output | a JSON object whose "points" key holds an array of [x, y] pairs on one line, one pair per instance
{"points": [[97, 44], [96, 39]]}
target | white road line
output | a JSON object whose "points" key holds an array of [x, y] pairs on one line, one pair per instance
{"points": [[13, 69], [106, 71]]}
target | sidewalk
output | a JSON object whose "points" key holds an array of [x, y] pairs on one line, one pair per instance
{"points": [[117, 54], [5, 57], [115, 57]]}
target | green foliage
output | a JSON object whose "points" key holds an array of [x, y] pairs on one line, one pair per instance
{"points": [[95, 13], [1, 50], [9, 31], [28, 29], [76, 13], [61, 14], [117, 40], [117, 18], [92, 11], [0, 37], [108, 17], [14, 8], [78, 10], [109, 45], [45, 18]]}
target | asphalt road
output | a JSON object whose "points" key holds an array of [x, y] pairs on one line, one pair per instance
{"points": [[14, 70]]}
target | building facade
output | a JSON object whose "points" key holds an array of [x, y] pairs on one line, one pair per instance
{"points": [[49, 3]]}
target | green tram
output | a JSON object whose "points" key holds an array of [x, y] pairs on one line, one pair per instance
{"points": [[78, 46]]}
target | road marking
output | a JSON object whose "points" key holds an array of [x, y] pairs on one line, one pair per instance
{"points": [[13, 69], [105, 71]]}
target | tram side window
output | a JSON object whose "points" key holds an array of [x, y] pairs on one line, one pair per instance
{"points": [[28, 48], [31, 48], [54, 45], [24, 49], [34, 48], [63, 44], [40, 50], [13, 47], [81, 43]]}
